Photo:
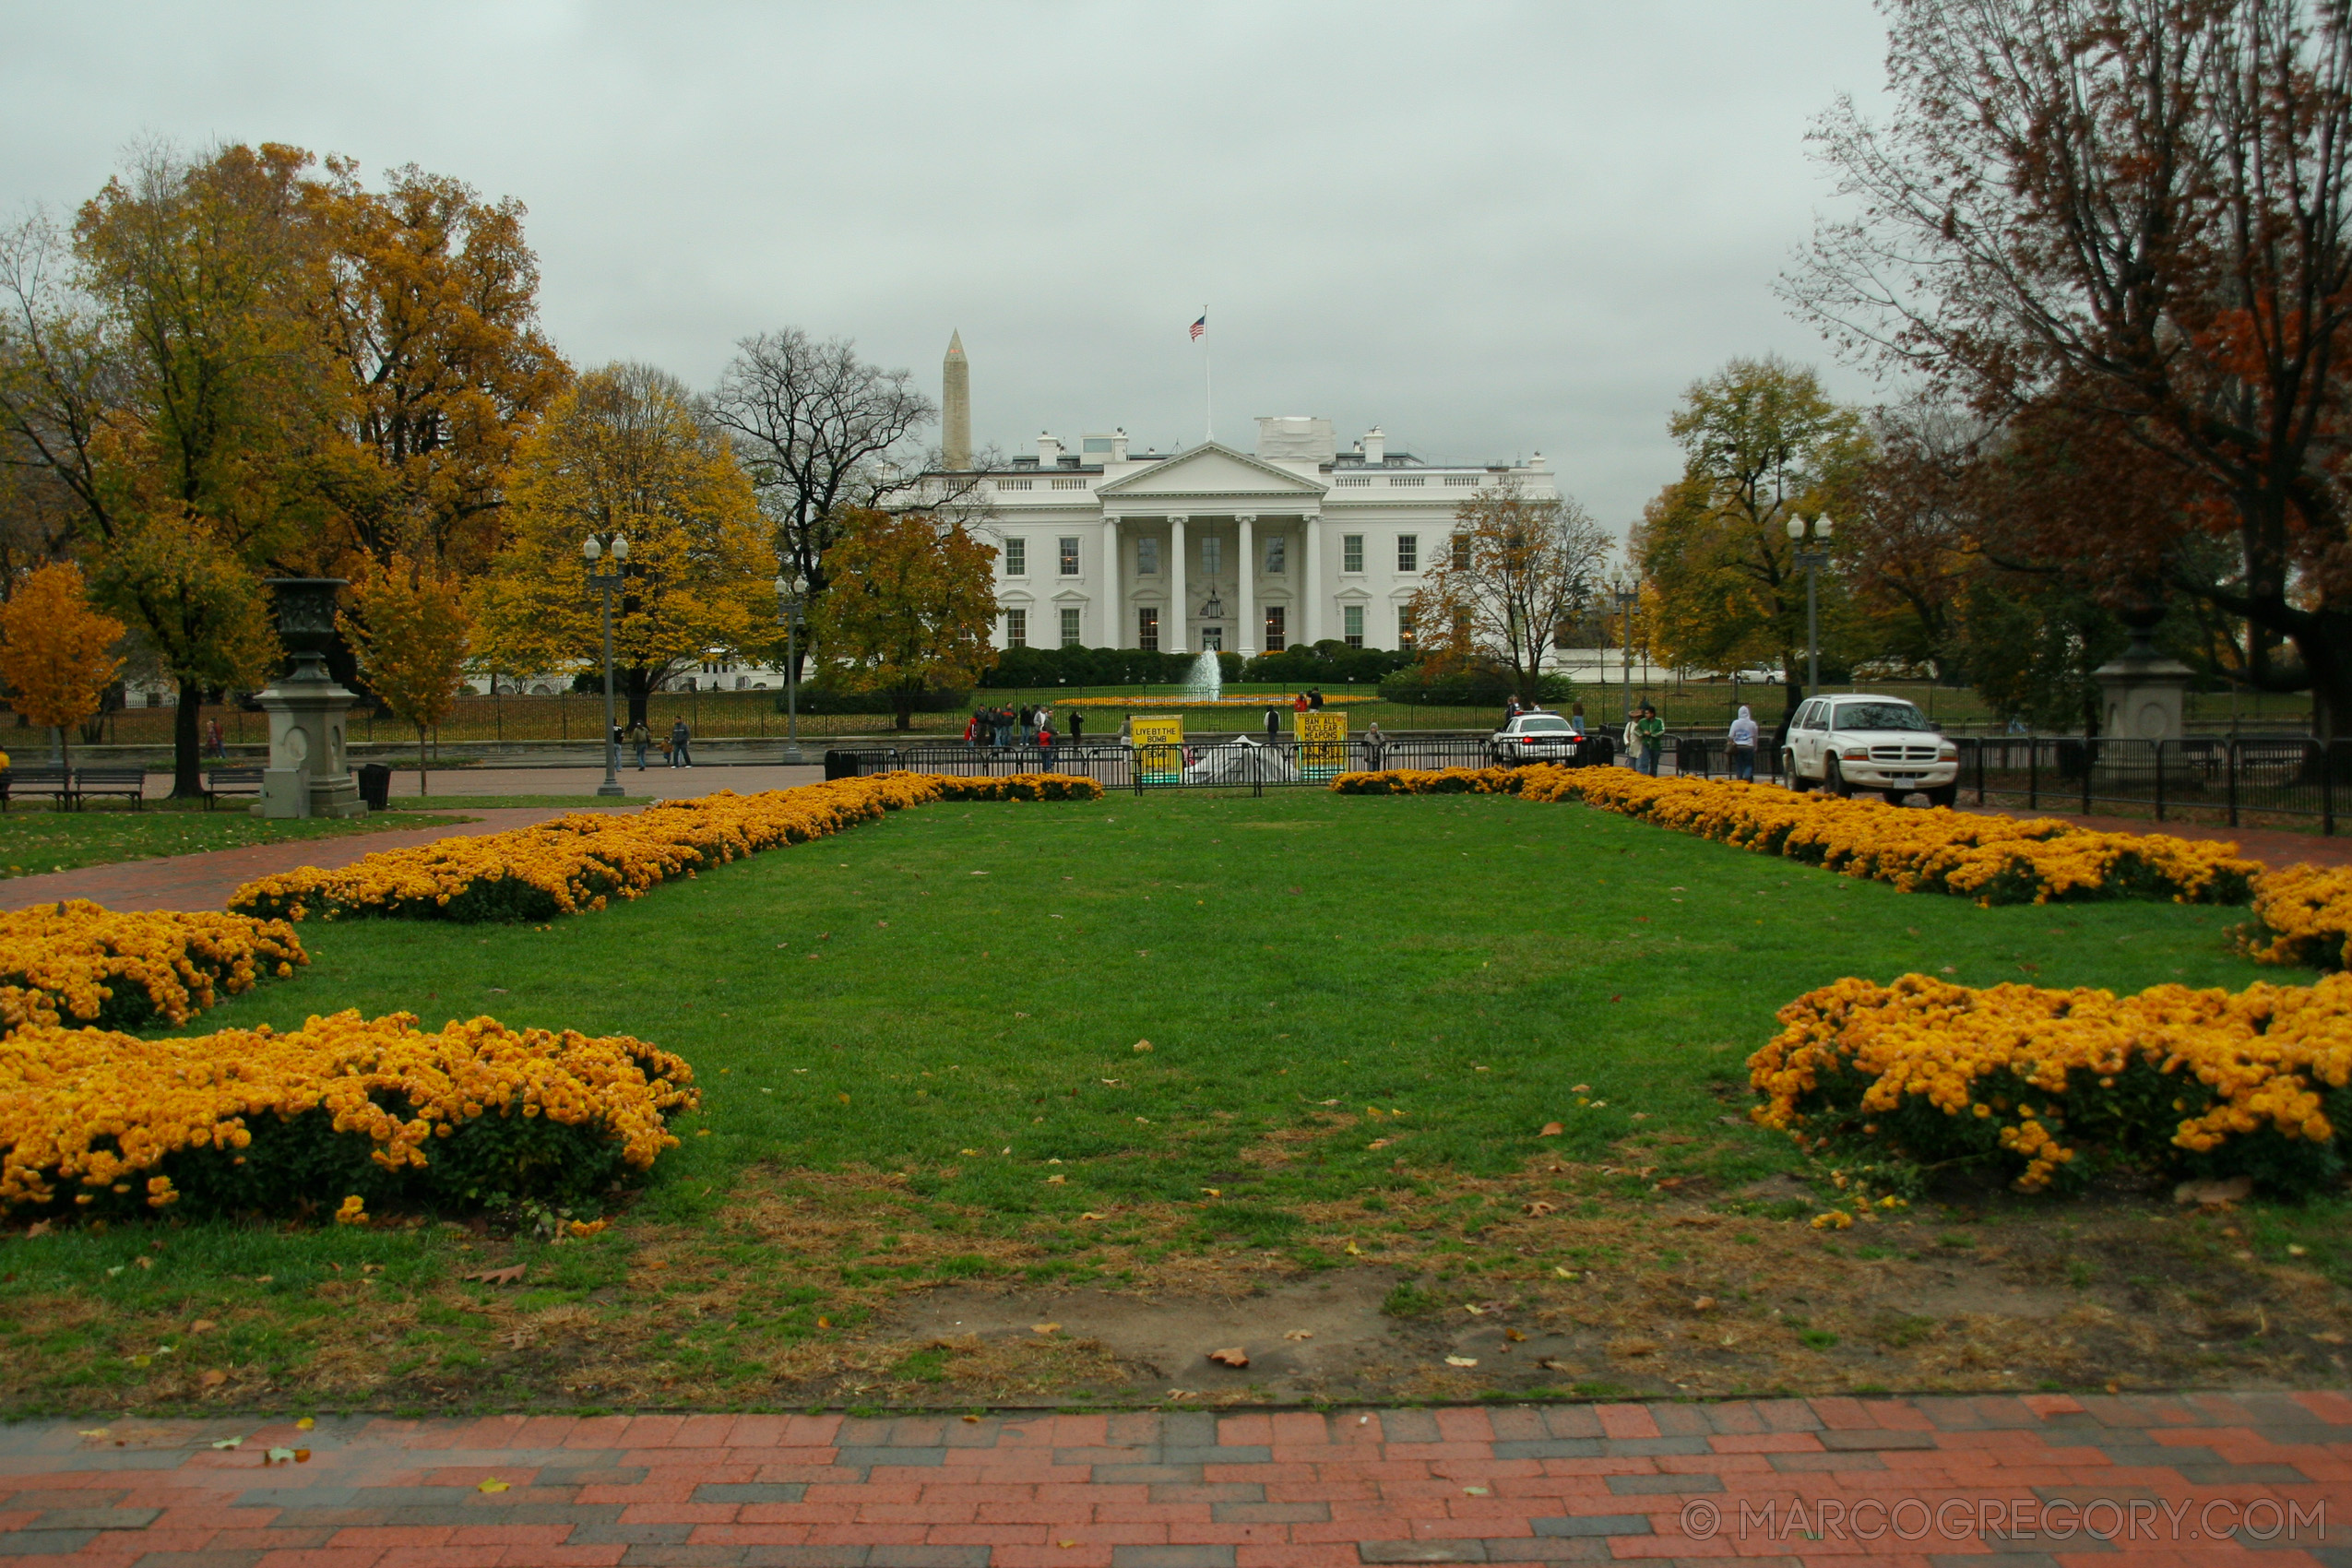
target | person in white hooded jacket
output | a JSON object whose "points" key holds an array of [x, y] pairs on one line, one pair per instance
{"points": [[1742, 748]]}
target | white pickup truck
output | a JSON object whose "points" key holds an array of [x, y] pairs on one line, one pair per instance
{"points": [[1857, 742]]}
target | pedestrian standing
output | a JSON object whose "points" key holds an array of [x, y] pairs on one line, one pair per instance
{"points": [[1652, 731], [641, 738], [1314, 698], [1078, 727], [1300, 703], [213, 743], [679, 736], [1742, 746], [1273, 723], [1375, 746]]}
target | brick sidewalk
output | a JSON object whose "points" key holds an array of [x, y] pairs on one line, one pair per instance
{"points": [[2198, 1479], [204, 880]]}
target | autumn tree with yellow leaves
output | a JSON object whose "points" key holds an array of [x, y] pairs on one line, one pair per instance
{"points": [[622, 451], [410, 630], [1517, 573], [1763, 442], [910, 608], [56, 649]]}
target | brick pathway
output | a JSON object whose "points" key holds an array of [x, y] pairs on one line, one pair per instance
{"points": [[2272, 846], [206, 881], [2197, 1479]]}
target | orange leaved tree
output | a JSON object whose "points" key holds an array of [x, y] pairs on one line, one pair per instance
{"points": [[55, 649], [411, 635]]}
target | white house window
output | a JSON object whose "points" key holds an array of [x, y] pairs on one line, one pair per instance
{"points": [[1351, 624], [1147, 557], [1016, 557], [1277, 551], [1211, 555], [1016, 628], [1404, 628], [1071, 634], [1352, 552], [1403, 481], [1274, 641], [1462, 481], [1147, 628], [1069, 557], [1012, 484], [1069, 484], [1408, 553], [1212, 639], [1461, 552]]}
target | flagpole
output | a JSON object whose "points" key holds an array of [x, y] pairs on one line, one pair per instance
{"points": [[1208, 387]]}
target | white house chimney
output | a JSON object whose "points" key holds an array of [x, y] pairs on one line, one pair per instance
{"points": [[1049, 450], [1119, 447], [1376, 447]]}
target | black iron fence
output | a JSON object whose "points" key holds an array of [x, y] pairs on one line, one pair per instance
{"points": [[1203, 763]]}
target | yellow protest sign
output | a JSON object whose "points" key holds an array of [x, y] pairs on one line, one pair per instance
{"points": [[1160, 747], [1323, 743]]}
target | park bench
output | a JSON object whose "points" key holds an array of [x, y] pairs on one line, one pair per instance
{"points": [[38, 780], [222, 781], [129, 782]]}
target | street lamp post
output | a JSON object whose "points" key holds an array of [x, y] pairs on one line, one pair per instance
{"points": [[614, 549], [1812, 554], [791, 606], [1625, 598]]}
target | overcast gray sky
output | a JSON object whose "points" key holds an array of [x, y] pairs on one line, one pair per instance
{"points": [[1492, 229]]}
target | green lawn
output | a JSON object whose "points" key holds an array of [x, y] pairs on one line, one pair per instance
{"points": [[907, 1032], [36, 841]]}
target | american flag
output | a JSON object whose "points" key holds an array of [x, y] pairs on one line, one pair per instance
{"points": [[1200, 327]]}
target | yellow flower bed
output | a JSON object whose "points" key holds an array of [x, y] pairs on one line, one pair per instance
{"points": [[582, 861], [343, 1107], [2053, 1084], [2303, 915], [1994, 859], [77, 960]]}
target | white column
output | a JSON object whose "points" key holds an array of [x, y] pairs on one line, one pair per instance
{"points": [[1171, 634], [1311, 594], [1114, 603], [1245, 569]]}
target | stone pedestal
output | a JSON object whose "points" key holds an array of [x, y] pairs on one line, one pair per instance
{"points": [[2145, 694], [308, 773]]}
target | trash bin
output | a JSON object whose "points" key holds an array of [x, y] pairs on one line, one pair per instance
{"points": [[376, 786], [840, 764]]}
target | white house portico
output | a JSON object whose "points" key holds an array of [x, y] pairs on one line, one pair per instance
{"points": [[1215, 549]]}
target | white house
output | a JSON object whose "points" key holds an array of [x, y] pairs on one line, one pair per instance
{"points": [[1212, 548]]}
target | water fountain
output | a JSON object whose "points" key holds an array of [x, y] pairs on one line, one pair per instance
{"points": [[1206, 682]]}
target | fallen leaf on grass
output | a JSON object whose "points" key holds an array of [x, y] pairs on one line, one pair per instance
{"points": [[38, 1228], [1092, 1215], [1142, 1045], [2213, 1194], [1300, 1334], [1231, 1356], [1513, 1336], [1474, 1308], [1539, 1208], [202, 1326], [214, 1379], [1551, 1130], [1564, 1273], [1045, 1329], [1461, 1360], [1055, 1180], [502, 1275], [1553, 1363], [1354, 1251]]}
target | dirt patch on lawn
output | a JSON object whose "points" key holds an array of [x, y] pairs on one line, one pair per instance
{"points": [[1566, 1280]]}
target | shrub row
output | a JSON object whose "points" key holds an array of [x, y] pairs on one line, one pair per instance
{"points": [[2053, 1087], [582, 861], [1994, 859], [77, 960], [372, 1110]]}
